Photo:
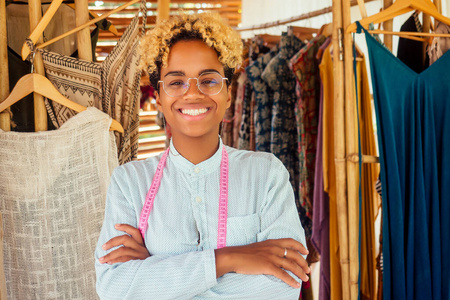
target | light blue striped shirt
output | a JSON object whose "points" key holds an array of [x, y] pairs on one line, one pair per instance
{"points": [[182, 232]]}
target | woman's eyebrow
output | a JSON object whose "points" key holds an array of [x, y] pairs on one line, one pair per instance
{"points": [[208, 71], [175, 73]]}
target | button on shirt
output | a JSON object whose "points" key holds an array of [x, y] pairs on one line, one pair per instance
{"points": [[182, 231]]}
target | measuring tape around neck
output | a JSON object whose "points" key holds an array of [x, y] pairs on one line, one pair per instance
{"points": [[223, 198]]}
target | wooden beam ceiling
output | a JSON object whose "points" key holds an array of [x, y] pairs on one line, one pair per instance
{"points": [[230, 10]]}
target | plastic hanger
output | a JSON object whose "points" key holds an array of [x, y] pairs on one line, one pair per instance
{"points": [[401, 7], [39, 84], [37, 32]]}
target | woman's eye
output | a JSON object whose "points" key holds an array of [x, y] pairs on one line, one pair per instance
{"points": [[208, 82], [176, 83]]}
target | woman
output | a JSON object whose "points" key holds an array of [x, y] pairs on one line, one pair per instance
{"points": [[202, 220]]}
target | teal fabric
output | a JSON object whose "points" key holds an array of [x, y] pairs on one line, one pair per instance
{"points": [[413, 120]]}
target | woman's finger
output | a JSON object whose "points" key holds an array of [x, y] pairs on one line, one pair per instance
{"points": [[134, 232], [300, 260], [283, 275], [122, 252], [294, 267]]}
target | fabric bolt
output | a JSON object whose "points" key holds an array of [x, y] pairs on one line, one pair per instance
{"points": [[439, 45], [413, 117], [263, 102], [111, 86], [329, 172], [409, 51], [182, 232], [306, 69], [53, 190], [283, 142], [320, 237]]}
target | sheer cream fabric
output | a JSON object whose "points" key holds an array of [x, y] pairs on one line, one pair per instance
{"points": [[53, 188]]}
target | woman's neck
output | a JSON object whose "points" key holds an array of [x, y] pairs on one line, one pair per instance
{"points": [[196, 150]]}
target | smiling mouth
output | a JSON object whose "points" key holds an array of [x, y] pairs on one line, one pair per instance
{"points": [[193, 112]]}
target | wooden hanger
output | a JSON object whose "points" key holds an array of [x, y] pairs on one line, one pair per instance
{"points": [[39, 84], [401, 7], [37, 32], [93, 15]]}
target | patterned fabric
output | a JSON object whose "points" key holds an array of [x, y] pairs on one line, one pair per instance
{"points": [[240, 93], [182, 266], [111, 86], [244, 131], [228, 119], [53, 192], [306, 69], [440, 45], [263, 102], [283, 144]]}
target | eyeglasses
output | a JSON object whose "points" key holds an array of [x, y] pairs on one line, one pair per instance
{"points": [[210, 84]]}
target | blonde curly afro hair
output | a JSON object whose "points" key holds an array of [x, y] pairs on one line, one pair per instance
{"points": [[209, 28]]}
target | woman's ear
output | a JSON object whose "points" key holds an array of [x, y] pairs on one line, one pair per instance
{"points": [[158, 101]]}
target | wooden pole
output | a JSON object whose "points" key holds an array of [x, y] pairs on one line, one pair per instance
{"points": [[351, 141], [163, 10], [388, 25], [438, 4], [5, 123], [40, 112], [84, 35], [339, 145]]}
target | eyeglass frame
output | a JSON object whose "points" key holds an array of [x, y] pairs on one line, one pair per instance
{"points": [[198, 87]]}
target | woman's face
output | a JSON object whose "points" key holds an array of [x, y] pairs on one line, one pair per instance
{"points": [[193, 114]]}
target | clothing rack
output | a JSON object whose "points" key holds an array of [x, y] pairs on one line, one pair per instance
{"points": [[301, 17]]}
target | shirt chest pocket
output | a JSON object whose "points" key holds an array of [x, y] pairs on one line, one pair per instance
{"points": [[242, 230]]}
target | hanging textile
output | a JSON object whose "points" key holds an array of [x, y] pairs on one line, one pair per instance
{"points": [[240, 93], [439, 45], [263, 101], [245, 127], [306, 69], [53, 191], [111, 86], [283, 124], [370, 200], [413, 118], [409, 51], [329, 172]]}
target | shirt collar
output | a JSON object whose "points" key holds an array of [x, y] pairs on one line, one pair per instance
{"points": [[205, 167]]}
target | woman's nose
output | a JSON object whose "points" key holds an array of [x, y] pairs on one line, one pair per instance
{"points": [[193, 88]]}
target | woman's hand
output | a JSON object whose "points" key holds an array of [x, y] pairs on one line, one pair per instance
{"points": [[133, 246], [267, 257]]}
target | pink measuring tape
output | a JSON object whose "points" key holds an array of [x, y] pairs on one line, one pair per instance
{"points": [[223, 198]]}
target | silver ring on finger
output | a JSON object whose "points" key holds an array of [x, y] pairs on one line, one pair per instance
{"points": [[285, 252]]}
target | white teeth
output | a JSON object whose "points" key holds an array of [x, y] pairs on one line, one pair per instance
{"points": [[194, 112]]}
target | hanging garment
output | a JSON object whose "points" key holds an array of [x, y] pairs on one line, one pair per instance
{"points": [[413, 118], [409, 51], [439, 45], [370, 203], [329, 172], [306, 69], [283, 142], [53, 191], [263, 101], [320, 236], [111, 86], [228, 119], [240, 93], [244, 129]]}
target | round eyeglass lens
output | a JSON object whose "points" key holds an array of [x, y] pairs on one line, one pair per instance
{"points": [[208, 83]]}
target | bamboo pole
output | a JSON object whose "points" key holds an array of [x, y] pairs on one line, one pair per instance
{"points": [[5, 123], [163, 10], [388, 25], [84, 35], [40, 112], [339, 145], [438, 4], [351, 143]]}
